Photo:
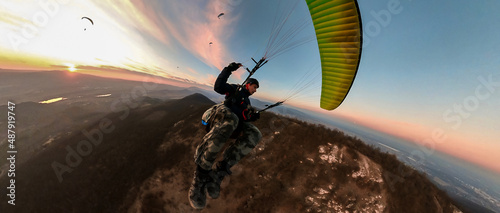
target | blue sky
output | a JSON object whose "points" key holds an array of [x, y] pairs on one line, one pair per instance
{"points": [[427, 63], [429, 70]]}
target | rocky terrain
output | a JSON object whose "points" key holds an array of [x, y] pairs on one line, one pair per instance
{"points": [[142, 161], [111, 149]]}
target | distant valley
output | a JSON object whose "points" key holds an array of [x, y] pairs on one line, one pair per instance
{"points": [[154, 121]]}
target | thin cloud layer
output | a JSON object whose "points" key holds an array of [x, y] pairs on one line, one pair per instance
{"points": [[197, 28]]}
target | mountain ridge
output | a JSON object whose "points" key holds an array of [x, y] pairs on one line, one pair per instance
{"points": [[142, 161]]}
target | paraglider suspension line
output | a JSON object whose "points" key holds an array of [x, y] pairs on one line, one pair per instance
{"points": [[258, 65]]}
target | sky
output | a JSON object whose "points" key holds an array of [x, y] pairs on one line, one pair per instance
{"points": [[429, 70]]}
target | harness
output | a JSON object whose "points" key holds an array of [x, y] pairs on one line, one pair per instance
{"points": [[235, 98], [238, 103]]}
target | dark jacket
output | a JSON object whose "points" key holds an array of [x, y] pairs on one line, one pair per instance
{"points": [[236, 96]]}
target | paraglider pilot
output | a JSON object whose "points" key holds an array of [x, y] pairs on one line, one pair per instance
{"points": [[232, 116]]}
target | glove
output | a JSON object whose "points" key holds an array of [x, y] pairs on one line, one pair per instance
{"points": [[255, 115], [233, 66]]}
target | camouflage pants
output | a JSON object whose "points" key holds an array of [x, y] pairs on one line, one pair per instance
{"points": [[223, 125]]}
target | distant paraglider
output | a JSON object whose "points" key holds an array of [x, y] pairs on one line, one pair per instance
{"points": [[221, 14], [210, 43], [87, 18]]}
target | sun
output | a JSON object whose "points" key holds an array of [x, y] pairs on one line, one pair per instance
{"points": [[71, 67]]}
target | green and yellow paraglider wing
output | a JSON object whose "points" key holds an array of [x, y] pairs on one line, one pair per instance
{"points": [[338, 30]]}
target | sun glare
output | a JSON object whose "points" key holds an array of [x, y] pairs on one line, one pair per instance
{"points": [[71, 67]]}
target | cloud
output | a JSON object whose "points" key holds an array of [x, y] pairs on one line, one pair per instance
{"points": [[210, 80], [191, 25], [137, 15], [195, 29], [12, 20], [135, 73], [123, 31]]}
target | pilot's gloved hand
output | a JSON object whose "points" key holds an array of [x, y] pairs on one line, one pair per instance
{"points": [[254, 115], [233, 66]]}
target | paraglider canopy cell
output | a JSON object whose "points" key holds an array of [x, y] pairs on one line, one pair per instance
{"points": [[338, 32]]}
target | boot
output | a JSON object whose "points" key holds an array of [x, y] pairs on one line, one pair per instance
{"points": [[197, 196], [213, 188]]}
